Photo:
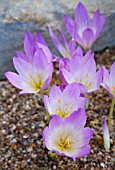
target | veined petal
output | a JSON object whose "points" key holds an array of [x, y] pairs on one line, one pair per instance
{"points": [[81, 15]]}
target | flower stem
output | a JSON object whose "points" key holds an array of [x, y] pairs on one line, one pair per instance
{"points": [[110, 113]]}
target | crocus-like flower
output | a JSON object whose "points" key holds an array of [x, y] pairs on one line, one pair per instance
{"points": [[63, 103], [31, 44], [82, 29], [68, 137], [109, 80], [83, 73], [66, 49], [32, 77], [64, 62], [106, 136]]}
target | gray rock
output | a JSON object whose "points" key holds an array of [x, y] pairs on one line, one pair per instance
{"points": [[19, 16]]}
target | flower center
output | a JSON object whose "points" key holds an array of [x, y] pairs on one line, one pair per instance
{"points": [[86, 84], [65, 141], [36, 84], [113, 90], [63, 111]]}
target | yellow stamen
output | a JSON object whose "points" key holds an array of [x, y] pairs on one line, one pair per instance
{"points": [[59, 101], [86, 75], [87, 85], [37, 85], [80, 80], [65, 141]]}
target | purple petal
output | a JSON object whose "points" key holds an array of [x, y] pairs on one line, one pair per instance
{"points": [[88, 38], [71, 91], [77, 118], [68, 76], [55, 92], [29, 45], [46, 84], [81, 15], [63, 38], [83, 151], [39, 39], [40, 59], [22, 55], [46, 51], [21, 66], [69, 24], [14, 79], [79, 51], [57, 43], [72, 47], [47, 104]]}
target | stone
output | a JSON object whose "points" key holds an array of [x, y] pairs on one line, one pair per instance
{"points": [[16, 17]]}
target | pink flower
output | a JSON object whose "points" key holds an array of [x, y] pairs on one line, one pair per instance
{"points": [[68, 137], [82, 29], [33, 76], [63, 103]]}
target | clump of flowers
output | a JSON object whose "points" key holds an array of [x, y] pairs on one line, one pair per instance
{"points": [[66, 134]]}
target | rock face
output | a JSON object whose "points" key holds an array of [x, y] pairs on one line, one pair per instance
{"points": [[19, 16]]}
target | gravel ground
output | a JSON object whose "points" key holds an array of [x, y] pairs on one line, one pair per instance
{"points": [[22, 119]]}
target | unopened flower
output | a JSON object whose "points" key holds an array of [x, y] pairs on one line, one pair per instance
{"points": [[106, 136], [63, 103], [31, 44], [34, 76], [82, 29], [68, 137], [109, 80], [83, 73]]}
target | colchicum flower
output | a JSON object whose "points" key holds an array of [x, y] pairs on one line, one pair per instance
{"points": [[32, 77], [82, 29], [68, 137], [31, 44], [64, 62], [106, 136], [63, 103], [83, 73], [109, 80]]}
